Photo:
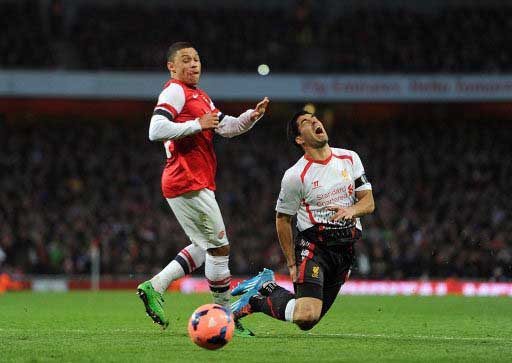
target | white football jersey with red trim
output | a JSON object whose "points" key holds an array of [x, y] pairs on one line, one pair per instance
{"points": [[310, 186]]}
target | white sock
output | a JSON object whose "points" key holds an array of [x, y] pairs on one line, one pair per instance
{"points": [[288, 312], [216, 270], [186, 261]]}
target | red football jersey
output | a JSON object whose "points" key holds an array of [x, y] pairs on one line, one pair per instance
{"points": [[191, 161]]}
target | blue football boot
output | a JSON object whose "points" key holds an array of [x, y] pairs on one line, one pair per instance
{"points": [[253, 284], [242, 307]]}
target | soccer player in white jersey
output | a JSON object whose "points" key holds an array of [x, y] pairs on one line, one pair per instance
{"points": [[186, 121], [328, 191]]}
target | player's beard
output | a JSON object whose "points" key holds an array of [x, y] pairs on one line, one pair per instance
{"points": [[318, 144]]}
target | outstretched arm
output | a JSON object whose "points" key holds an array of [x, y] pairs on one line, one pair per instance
{"points": [[233, 126]]}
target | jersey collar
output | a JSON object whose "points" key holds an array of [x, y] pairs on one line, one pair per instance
{"points": [[183, 83], [323, 162]]}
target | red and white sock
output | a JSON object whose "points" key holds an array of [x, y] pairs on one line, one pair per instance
{"points": [[186, 261], [217, 273]]}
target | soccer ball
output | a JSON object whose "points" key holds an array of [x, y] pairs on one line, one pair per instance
{"points": [[211, 326]]}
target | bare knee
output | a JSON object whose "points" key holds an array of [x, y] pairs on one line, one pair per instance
{"points": [[306, 325], [307, 313], [219, 251], [306, 321]]}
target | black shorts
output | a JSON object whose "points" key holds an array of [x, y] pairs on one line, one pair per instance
{"points": [[321, 268]]}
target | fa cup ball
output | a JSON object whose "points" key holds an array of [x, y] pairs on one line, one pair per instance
{"points": [[211, 326]]}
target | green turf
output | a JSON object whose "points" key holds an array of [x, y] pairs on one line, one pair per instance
{"points": [[112, 326]]}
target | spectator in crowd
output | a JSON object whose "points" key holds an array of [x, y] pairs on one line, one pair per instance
{"points": [[460, 39], [440, 190]]}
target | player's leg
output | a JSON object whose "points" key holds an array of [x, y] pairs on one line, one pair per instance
{"points": [[217, 257], [151, 291], [308, 307], [302, 308], [186, 261], [218, 275], [332, 291], [215, 241], [341, 261]]}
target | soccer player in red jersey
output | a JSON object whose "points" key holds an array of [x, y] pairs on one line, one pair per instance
{"points": [[186, 120]]}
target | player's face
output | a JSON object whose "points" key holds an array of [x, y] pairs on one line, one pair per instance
{"points": [[311, 132], [186, 66]]}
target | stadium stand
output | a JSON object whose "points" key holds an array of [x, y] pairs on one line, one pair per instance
{"points": [[296, 38], [440, 190]]}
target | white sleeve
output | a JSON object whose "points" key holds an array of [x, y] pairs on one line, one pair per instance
{"points": [[233, 126], [290, 195], [171, 100], [161, 128], [358, 172], [170, 103]]}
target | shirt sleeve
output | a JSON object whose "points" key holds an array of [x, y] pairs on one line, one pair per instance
{"points": [[170, 102], [230, 126], [290, 196], [358, 172], [160, 128]]}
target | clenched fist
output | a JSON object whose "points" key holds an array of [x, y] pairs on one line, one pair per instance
{"points": [[209, 121]]}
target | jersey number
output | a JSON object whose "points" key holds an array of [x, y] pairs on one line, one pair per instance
{"points": [[169, 148]]}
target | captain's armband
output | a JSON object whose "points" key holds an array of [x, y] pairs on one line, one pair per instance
{"points": [[363, 179]]}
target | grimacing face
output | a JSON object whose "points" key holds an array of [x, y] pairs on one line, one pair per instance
{"points": [[311, 132], [186, 66]]}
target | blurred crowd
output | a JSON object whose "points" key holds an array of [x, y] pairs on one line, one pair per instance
{"points": [[301, 37], [442, 193]]}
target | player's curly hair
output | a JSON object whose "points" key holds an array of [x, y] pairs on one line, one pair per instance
{"points": [[175, 47], [292, 129]]}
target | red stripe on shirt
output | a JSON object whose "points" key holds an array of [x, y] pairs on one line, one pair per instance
{"points": [[303, 174], [310, 214], [348, 157], [323, 162], [169, 108], [189, 259]]}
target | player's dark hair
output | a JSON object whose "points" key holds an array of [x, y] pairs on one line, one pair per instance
{"points": [[292, 129], [175, 47]]}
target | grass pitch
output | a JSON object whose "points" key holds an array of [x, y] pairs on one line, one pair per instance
{"points": [[112, 327]]}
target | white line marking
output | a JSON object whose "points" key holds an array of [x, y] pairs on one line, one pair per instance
{"points": [[319, 335], [404, 337]]}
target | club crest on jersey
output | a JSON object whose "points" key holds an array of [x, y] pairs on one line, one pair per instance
{"points": [[315, 184], [344, 174]]}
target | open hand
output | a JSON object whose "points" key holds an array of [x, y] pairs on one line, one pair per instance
{"points": [[260, 109], [342, 213]]}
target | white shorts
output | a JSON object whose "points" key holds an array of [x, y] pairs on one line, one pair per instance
{"points": [[199, 215]]}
